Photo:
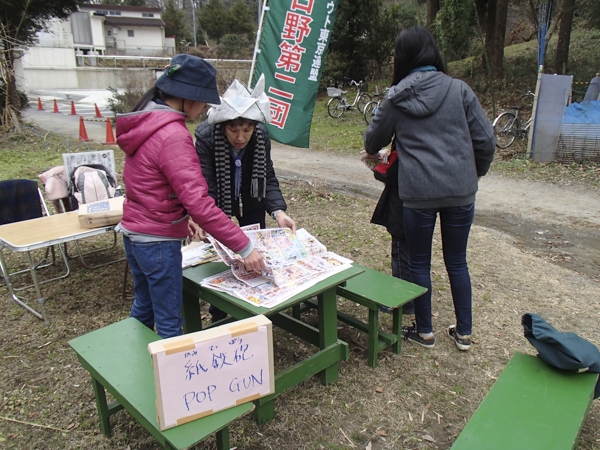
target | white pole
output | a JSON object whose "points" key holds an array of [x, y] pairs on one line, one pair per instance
{"points": [[194, 22], [257, 44]]}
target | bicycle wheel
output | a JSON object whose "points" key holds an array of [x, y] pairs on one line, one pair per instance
{"points": [[363, 99], [369, 111], [506, 126], [335, 107]]}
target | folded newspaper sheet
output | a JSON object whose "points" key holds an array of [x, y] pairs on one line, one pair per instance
{"points": [[294, 262], [197, 253]]}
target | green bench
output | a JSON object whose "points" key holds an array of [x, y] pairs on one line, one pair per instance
{"points": [[375, 289], [117, 358], [530, 406]]}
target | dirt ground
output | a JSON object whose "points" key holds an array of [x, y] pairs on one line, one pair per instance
{"points": [[562, 220], [534, 248]]}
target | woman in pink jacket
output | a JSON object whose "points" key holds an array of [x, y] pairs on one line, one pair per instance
{"points": [[164, 190]]}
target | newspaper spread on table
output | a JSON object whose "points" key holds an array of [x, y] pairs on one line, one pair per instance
{"points": [[293, 263], [197, 253]]}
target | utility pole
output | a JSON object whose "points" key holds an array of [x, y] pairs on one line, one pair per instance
{"points": [[194, 22]]}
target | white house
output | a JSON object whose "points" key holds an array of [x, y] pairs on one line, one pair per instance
{"points": [[64, 55], [119, 30]]}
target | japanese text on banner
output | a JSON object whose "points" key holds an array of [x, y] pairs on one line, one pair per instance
{"points": [[292, 53]]}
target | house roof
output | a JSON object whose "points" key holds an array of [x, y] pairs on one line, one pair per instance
{"points": [[133, 22]]}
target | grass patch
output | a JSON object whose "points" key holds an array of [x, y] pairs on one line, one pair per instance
{"points": [[584, 173], [422, 392]]}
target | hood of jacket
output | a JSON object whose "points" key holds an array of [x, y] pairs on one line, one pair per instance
{"points": [[133, 129], [420, 94]]}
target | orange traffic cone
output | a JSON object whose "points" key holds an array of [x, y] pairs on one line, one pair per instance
{"points": [[55, 107], [82, 133], [110, 137], [73, 113], [98, 115], [40, 107]]}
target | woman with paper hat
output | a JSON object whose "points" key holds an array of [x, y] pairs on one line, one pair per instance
{"points": [[235, 156], [164, 190]]}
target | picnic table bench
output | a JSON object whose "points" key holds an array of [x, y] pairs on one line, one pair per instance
{"points": [[374, 290], [117, 358], [530, 406]]}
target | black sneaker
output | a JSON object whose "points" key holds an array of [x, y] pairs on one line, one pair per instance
{"points": [[411, 334], [463, 343]]}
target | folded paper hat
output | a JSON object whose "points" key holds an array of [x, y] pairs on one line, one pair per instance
{"points": [[238, 102]]}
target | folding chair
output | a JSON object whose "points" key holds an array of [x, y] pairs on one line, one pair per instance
{"points": [[21, 200], [71, 162]]}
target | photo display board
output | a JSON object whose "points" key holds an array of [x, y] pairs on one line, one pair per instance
{"points": [[200, 373]]}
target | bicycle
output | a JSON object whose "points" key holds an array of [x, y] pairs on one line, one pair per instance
{"points": [[339, 103], [371, 107], [507, 126]]}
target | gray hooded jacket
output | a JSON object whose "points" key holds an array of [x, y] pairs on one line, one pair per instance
{"points": [[443, 138]]}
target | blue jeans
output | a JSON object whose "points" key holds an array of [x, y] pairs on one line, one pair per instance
{"points": [[455, 226], [157, 284]]}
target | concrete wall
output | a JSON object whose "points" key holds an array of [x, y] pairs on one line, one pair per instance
{"points": [[81, 78], [58, 34], [42, 68], [57, 58], [103, 78]]}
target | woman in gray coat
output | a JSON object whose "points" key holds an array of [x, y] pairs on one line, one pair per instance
{"points": [[445, 143]]}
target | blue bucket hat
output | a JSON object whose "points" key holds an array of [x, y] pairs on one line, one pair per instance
{"points": [[191, 78]]}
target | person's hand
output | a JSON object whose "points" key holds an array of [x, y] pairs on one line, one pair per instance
{"points": [[194, 230], [203, 235], [254, 262], [285, 221]]}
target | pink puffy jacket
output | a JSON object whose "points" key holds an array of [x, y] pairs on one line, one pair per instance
{"points": [[163, 179]]}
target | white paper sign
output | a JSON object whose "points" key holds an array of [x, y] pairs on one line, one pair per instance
{"points": [[201, 373]]}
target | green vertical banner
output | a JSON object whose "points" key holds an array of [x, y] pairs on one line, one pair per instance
{"points": [[292, 51]]}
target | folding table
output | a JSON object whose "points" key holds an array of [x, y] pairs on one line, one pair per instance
{"points": [[40, 233]]}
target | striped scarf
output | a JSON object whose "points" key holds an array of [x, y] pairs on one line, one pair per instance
{"points": [[258, 186]]}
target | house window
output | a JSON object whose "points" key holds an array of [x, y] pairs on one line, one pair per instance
{"points": [[147, 14], [130, 33], [115, 13], [109, 33]]}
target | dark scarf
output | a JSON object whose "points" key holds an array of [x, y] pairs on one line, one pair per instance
{"points": [[258, 186]]}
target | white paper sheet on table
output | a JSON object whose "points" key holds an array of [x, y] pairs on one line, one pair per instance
{"points": [[197, 253]]}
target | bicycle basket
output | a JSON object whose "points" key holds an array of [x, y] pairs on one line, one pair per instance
{"points": [[364, 87], [334, 92]]}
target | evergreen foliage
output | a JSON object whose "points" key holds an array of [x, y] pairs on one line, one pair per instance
{"points": [[362, 41], [239, 20], [455, 27], [174, 23], [134, 2], [213, 19]]}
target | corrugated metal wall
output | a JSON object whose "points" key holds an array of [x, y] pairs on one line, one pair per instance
{"points": [[579, 142]]}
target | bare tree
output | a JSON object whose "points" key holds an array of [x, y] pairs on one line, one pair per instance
{"points": [[496, 49], [433, 6], [564, 36], [490, 28]]}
